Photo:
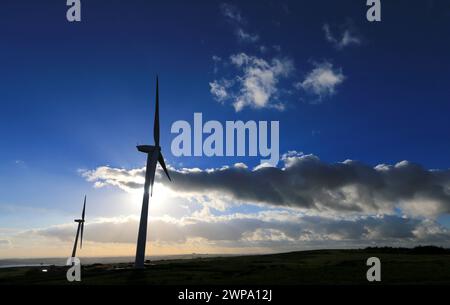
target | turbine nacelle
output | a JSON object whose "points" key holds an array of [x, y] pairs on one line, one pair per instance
{"points": [[154, 151], [148, 149]]}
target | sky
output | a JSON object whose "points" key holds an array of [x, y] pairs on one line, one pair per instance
{"points": [[362, 107]]}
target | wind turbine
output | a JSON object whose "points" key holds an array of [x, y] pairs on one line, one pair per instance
{"points": [[80, 228], [154, 156]]}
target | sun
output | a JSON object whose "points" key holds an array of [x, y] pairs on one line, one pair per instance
{"points": [[158, 201]]}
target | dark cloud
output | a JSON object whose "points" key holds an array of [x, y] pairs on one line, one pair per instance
{"points": [[307, 182]]}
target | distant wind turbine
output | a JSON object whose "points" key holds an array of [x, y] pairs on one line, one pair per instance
{"points": [[80, 228], [154, 156]]}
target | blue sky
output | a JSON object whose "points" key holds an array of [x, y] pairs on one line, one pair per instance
{"points": [[78, 96]]}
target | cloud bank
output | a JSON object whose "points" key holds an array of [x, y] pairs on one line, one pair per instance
{"points": [[306, 204], [305, 182], [269, 230]]}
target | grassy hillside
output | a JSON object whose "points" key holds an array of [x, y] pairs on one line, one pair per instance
{"points": [[399, 266]]}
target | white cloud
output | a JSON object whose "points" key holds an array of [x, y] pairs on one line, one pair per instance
{"points": [[347, 38], [264, 235], [234, 16], [262, 165], [121, 178], [232, 13], [241, 165], [256, 83], [216, 59], [245, 36], [322, 80], [219, 90]]}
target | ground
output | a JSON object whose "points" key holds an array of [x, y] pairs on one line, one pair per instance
{"points": [[398, 266]]}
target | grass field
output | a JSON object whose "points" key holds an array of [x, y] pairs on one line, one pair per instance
{"points": [[398, 266]]}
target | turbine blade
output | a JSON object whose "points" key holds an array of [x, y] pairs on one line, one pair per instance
{"points": [[81, 237], [156, 124], [151, 184], [151, 188], [163, 165], [84, 208], [150, 171]]}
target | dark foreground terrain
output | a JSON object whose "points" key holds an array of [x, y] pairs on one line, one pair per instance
{"points": [[399, 266]]}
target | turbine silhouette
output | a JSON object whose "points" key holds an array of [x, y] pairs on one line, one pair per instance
{"points": [[80, 228], [154, 156]]}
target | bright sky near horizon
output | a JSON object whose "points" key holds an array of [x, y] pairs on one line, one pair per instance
{"points": [[76, 98]]}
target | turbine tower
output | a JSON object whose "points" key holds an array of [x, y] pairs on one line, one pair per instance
{"points": [[154, 156], [80, 228]]}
